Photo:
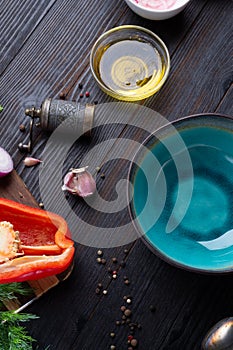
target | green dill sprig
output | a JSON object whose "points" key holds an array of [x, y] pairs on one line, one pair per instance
{"points": [[12, 335], [8, 291]]}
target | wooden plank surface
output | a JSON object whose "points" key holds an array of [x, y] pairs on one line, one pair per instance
{"points": [[46, 52]]}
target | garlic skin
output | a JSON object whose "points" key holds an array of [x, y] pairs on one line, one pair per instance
{"points": [[79, 182], [29, 161]]}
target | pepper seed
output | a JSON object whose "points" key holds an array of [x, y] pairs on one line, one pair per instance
{"points": [[128, 301], [22, 127], [80, 85], [99, 260], [103, 261], [102, 176], [118, 323], [100, 253], [112, 335], [112, 347], [134, 343], [152, 308], [126, 251], [123, 308], [114, 276], [105, 292], [127, 282], [122, 263], [100, 285], [114, 260], [41, 205], [127, 312]]}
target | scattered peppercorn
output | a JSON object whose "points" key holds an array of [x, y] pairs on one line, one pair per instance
{"points": [[97, 291], [152, 308], [103, 261], [105, 292], [100, 285], [123, 308], [118, 323], [128, 301], [127, 282], [100, 253], [114, 276], [22, 127], [126, 251], [96, 102], [41, 205], [62, 95], [112, 347], [102, 176], [99, 260], [87, 94], [80, 85], [81, 95], [127, 312], [122, 263], [134, 343], [112, 335]]}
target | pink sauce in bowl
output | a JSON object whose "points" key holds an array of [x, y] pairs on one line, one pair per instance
{"points": [[156, 4]]}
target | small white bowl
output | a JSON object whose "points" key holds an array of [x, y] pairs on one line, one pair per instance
{"points": [[158, 15]]}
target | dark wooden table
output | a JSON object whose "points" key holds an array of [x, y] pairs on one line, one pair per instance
{"points": [[45, 47]]}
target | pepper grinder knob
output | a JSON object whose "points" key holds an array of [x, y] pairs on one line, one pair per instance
{"points": [[33, 112]]}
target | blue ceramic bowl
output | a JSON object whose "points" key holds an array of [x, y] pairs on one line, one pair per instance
{"points": [[182, 193]]}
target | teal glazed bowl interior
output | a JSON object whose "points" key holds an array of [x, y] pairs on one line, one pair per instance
{"points": [[182, 193]]}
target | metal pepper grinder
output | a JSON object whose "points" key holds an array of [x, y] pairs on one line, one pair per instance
{"points": [[53, 112]]}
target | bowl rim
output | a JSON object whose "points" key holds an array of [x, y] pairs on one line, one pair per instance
{"points": [[175, 7], [141, 29], [141, 235]]}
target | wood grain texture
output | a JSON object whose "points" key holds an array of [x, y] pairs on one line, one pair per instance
{"points": [[45, 52]]}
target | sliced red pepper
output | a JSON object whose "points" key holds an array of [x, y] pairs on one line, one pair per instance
{"points": [[45, 242]]}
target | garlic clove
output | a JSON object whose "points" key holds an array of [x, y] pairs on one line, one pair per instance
{"points": [[79, 182], [29, 161]]}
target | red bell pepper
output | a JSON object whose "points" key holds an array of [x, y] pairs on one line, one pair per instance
{"points": [[36, 246]]}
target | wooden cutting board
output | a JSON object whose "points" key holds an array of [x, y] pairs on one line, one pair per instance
{"points": [[12, 187]]}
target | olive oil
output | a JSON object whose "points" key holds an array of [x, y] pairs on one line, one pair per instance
{"points": [[131, 68]]}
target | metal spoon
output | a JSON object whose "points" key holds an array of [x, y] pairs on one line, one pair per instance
{"points": [[220, 336]]}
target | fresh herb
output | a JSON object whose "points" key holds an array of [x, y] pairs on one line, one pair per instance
{"points": [[12, 335], [1, 108], [9, 291]]}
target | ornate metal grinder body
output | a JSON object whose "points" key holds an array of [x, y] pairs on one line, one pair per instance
{"points": [[54, 112]]}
